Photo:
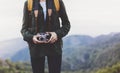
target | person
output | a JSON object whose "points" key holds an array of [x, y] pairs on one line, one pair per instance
{"points": [[51, 21]]}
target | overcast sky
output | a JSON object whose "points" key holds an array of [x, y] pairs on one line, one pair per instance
{"points": [[87, 17]]}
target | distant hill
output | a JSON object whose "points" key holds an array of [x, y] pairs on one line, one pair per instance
{"points": [[9, 47], [22, 55], [108, 57], [90, 52], [76, 40]]}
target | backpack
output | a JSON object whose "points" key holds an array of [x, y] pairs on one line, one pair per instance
{"points": [[56, 2]]}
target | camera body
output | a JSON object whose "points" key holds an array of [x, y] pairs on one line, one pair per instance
{"points": [[44, 37]]}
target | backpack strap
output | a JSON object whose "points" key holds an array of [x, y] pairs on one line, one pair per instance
{"points": [[30, 5], [56, 2], [57, 5]]}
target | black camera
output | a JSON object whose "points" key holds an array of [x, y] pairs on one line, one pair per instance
{"points": [[44, 37]]}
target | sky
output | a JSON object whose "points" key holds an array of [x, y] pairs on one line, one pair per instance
{"points": [[87, 17]]}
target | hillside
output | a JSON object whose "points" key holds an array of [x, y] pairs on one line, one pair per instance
{"points": [[9, 47], [22, 55], [80, 52], [108, 57]]}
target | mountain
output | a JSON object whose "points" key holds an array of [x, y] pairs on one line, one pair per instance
{"points": [[9, 47], [108, 57], [106, 40], [79, 51], [91, 52], [76, 40], [22, 55]]}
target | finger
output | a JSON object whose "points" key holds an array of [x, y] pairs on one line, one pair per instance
{"points": [[35, 42], [50, 39], [53, 40], [42, 42], [47, 41], [47, 32]]}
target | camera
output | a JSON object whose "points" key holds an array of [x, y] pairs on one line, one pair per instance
{"points": [[44, 36]]}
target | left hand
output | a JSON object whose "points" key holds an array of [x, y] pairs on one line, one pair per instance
{"points": [[53, 37]]}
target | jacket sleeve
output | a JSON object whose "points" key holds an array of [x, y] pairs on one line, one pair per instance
{"points": [[65, 22], [27, 36]]}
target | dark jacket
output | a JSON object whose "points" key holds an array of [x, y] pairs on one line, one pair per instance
{"points": [[29, 29]]}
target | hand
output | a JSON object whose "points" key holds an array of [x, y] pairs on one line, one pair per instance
{"points": [[53, 37], [36, 41]]}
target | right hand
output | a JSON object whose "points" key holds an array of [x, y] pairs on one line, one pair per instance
{"points": [[36, 41]]}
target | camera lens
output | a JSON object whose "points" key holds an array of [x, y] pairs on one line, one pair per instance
{"points": [[41, 39], [48, 36]]}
